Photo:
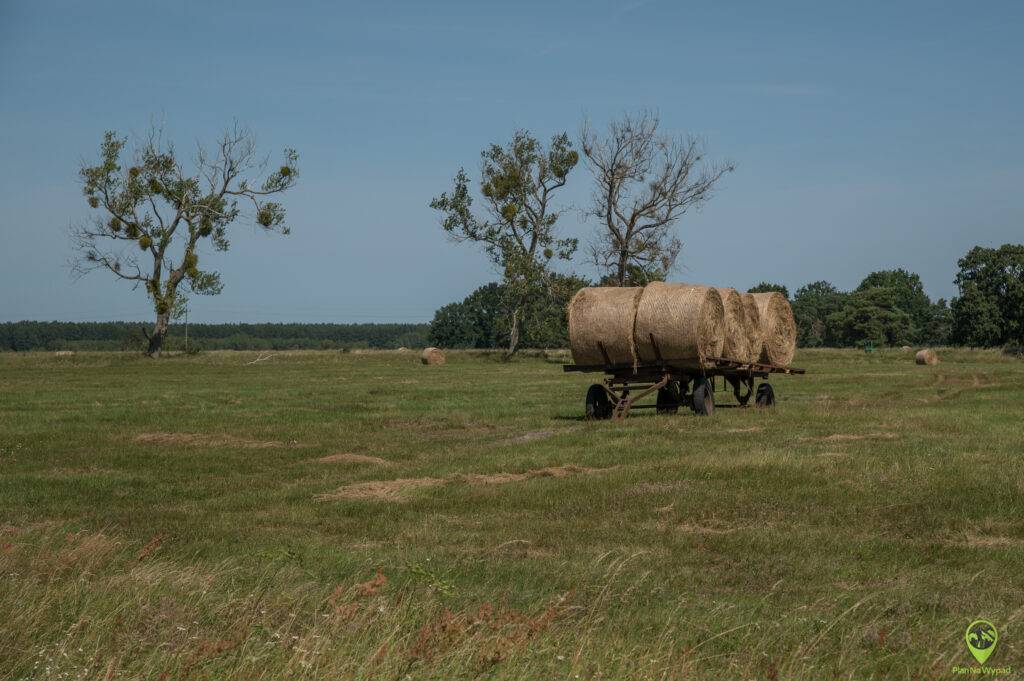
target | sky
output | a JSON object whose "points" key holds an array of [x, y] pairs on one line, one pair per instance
{"points": [[866, 136]]}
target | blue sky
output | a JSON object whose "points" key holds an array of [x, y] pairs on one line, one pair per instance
{"points": [[866, 135]]}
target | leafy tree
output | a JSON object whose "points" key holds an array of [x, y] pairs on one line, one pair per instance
{"points": [[472, 323], [908, 292], [812, 306], [517, 230], [481, 320], [644, 183], [154, 214], [939, 328], [872, 315], [766, 287], [990, 308], [546, 318]]}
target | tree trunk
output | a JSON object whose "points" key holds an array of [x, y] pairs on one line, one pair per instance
{"points": [[623, 263], [513, 336], [156, 337]]}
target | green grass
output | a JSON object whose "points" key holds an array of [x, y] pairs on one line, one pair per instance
{"points": [[171, 519]]}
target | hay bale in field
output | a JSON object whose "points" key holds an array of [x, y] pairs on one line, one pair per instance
{"points": [[752, 317], [777, 327], [686, 322], [926, 357], [737, 338], [603, 315], [64, 353], [432, 356], [906, 348]]}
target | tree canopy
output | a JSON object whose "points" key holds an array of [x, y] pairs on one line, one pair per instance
{"points": [[517, 228], [154, 213]]}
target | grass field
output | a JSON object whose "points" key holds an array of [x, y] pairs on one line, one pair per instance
{"points": [[341, 515]]}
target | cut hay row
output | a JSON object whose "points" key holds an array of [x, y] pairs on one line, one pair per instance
{"points": [[679, 322]]}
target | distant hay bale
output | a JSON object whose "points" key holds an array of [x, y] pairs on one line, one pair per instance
{"points": [[926, 356], [752, 317], [777, 327], [679, 322], [432, 356], [906, 348], [602, 316], [737, 341], [64, 353]]}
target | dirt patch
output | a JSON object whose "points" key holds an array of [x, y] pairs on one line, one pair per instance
{"points": [[646, 488], [551, 472], [393, 490], [848, 437], [390, 490], [692, 528], [208, 440], [529, 437], [348, 457], [979, 541]]}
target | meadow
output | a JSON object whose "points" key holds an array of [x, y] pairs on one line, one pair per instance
{"points": [[325, 515]]}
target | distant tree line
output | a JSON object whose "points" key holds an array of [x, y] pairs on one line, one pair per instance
{"points": [[887, 308], [21, 336]]}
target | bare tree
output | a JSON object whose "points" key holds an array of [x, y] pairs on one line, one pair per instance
{"points": [[643, 183], [155, 215]]}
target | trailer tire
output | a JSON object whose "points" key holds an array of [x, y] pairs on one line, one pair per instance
{"points": [[598, 404], [765, 395], [703, 398], [668, 399]]}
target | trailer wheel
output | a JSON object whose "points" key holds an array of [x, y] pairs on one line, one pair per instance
{"points": [[765, 395], [668, 399], [598, 404], [703, 398]]}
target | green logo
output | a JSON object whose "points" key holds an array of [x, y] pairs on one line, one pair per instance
{"points": [[981, 637]]}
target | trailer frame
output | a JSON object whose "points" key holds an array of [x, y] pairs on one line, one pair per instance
{"points": [[628, 383]]}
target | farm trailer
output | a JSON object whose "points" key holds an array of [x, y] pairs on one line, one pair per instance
{"points": [[628, 383]]}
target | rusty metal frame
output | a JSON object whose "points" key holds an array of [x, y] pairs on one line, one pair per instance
{"points": [[648, 377]]}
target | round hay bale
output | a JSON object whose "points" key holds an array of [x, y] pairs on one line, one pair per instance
{"points": [[752, 317], [432, 356], [737, 341], [602, 316], [777, 327], [906, 348], [926, 357], [683, 321]]}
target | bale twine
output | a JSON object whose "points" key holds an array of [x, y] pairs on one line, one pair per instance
{"points": [[686, 321], [737, 342], [432, 356], [926, 356], [602, 316], [752, 317], [777, 327]]}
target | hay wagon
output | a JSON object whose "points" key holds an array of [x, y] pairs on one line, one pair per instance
{"points": [[626, 384]]}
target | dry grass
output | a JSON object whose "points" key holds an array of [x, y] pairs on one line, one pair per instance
{"points": [[751, 545], [209, 441]]}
